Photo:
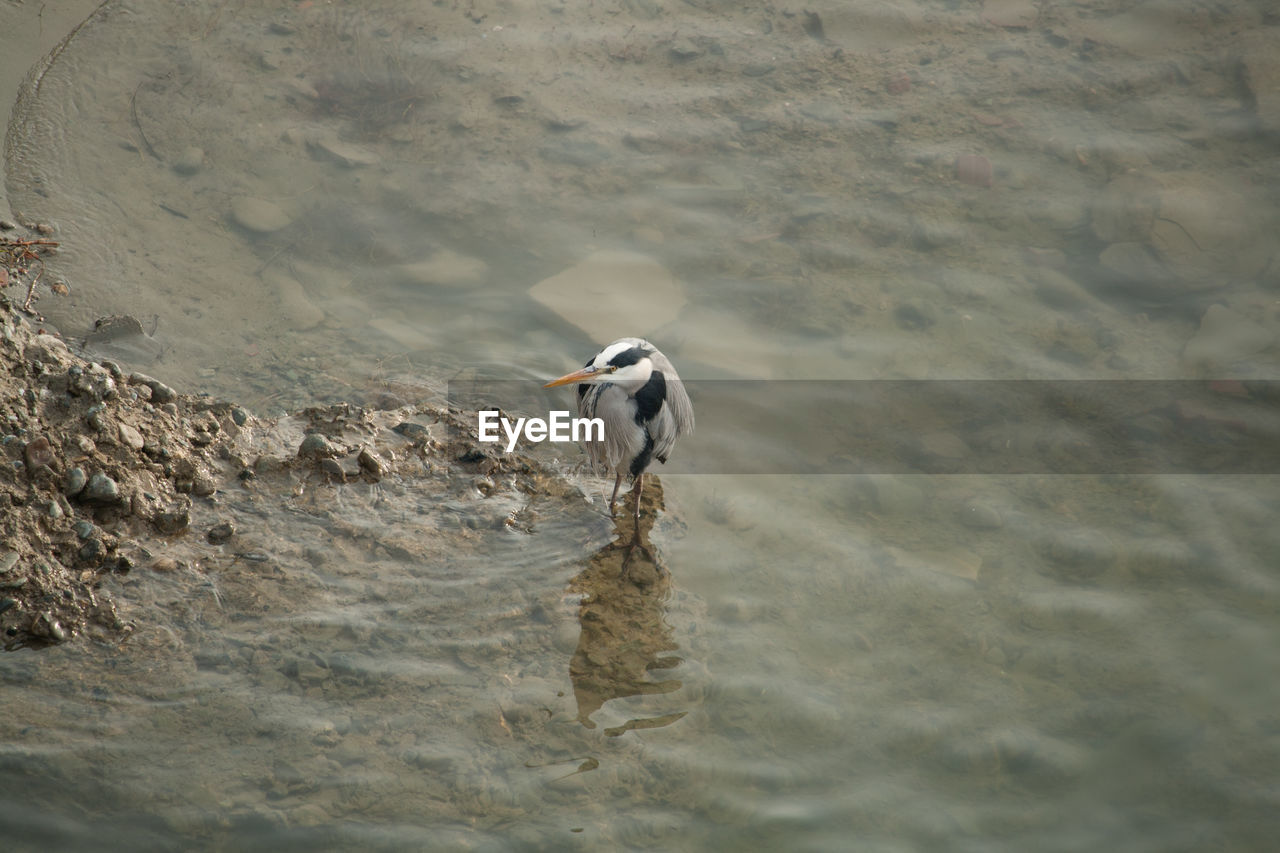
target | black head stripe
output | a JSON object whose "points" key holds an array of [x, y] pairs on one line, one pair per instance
{"points": [[650, 397], [629, 356]]}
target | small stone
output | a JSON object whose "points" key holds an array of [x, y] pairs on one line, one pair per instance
{"points": [[189, 161], [239, 416], [49, 628], [160, 393], [202, 485], [343, 153], [332, 469], [980, 517], [74, 482], [101, 490], [1225, 338], [130, 437], [164, 564], [90, 551], [1010, 14], [316, 446], [445, 267], [83, 529], [172, 521], [55, 510], [1126, 209], [220, 533], [38, 453], [974, 170], [7, 604], [8, 561], [258, 216], [371, 462]]}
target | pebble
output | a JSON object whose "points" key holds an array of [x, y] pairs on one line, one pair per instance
{"points": [[316, 446], [7, 604], [74, 482], [38, 453], [258, 216], [343, 153], [90, 551], [980, 517], [1134, 263], [172, 521], [974, 170], [164, 564], [83, 529], [220, 533], [1225, 338], [296, 306], [130, 436], [1126, 209], [239, 416], [189, 161], [101, 490], [445, 267], [160, 393], [1010, 14], [8, 561], [371, 462]]}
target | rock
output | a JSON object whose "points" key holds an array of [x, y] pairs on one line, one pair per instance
{"points": [[83, 529], [130, 437], [48, 350], [74, 482], [7, 561], [239, 416], [220, 533], [1126, 209], [1223, 339], [1010, 14], [1134, 263], [974, 170], [316, 446], [1260, 73], [38, 453], [101, 490], [445, 267], [93, 381], [296, 308], [160, 393], [613, 293], [371, 462], [171, 521], [258, 216], [189, 161], [980, 517], [329, 147], [164, 564], [1208, 229]]}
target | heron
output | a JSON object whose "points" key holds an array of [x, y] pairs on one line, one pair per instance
{"points": [[635, 391]]}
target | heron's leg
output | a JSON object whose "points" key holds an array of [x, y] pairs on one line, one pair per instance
{"points": [[616, 483], [639, 487]]}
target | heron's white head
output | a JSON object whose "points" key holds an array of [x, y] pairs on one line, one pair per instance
{"points": [[622, 362]]}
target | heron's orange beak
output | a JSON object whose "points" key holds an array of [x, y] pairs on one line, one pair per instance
{"points": [[576, 376]]}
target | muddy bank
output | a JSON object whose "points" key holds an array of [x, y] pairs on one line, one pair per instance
{"points": [[108, 471]]}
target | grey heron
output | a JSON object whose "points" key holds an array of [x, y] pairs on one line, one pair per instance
{"points": [[635, 391]]}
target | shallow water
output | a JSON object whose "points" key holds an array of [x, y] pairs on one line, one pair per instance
{"points": [[880, 661]]}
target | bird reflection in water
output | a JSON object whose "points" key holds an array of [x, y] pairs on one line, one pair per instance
{"points": [[625, 637]]}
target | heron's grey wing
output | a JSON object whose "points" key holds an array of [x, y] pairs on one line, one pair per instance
{"points": [[623, 437]]}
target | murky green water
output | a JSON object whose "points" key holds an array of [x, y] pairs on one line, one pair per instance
{"points": [[915, 191]]}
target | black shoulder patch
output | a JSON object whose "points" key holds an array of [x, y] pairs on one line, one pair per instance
{"points": [[629, 356], [650, 397]]}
